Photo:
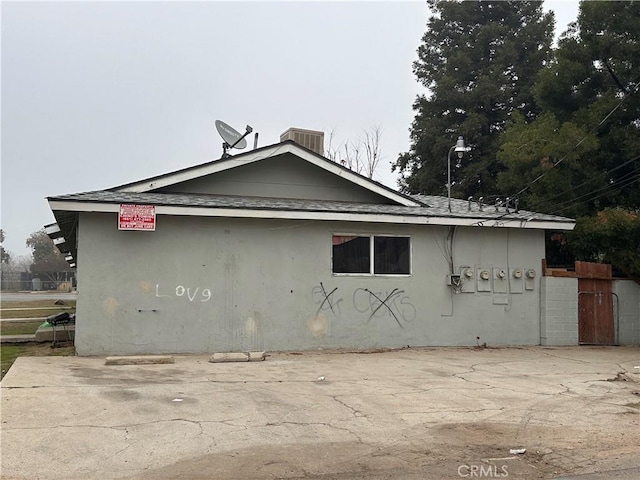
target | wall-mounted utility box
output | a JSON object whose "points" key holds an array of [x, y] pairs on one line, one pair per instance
{"points": [[483, 279], [453, 279], [529, 279], [468, 277], [500, 280], [516, 280]]}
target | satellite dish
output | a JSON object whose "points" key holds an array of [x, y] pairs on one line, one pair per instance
{"points": [[231, 136]]}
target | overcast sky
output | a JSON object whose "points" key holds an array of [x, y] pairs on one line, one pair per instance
{"points": [[95, 95]]}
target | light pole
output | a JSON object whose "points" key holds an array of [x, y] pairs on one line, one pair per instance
{"points": [[459, 148]]}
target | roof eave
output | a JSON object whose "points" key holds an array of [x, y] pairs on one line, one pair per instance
{"points": [[324, 215]]}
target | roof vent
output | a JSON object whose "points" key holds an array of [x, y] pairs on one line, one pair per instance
{"points": [[311, 139]]}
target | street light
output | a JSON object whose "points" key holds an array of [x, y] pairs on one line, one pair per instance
{"points": [[459, 148]]}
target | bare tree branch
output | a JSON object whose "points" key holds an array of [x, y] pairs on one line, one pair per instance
{"points": [[331, 151], [372, 149], [362, 156]]}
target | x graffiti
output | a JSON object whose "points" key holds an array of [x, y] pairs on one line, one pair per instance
{"points": [[326, 298], [393, 293]]}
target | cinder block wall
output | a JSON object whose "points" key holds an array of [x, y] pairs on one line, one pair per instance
{"points": [[628, 304], [558, 311]]}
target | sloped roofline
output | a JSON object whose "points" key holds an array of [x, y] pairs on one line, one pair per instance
{"points": [[59, 206], [287, 146]]}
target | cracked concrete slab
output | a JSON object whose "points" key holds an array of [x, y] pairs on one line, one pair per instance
{"points": [[415, 413]]}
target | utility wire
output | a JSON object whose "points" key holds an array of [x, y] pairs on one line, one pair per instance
{"points": [[611, 186], [608, 190], [620, 183], [555, 164], [584, 139], [593, 179]]}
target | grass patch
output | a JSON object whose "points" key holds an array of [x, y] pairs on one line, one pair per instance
{"points": [[9, 353], [32, 313], [34, 308], [633, 405], [19, 328], [35, 303]]}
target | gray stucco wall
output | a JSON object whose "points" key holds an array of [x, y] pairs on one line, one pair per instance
{"points": [[628, 305], [212, 284], [286, 176]]}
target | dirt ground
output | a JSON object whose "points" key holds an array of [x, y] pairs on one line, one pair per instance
{"points": [[441, 413]]}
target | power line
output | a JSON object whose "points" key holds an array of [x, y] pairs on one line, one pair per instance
{"points": [[620, 183], [554, 165], [605, 191], [610, 186], [584, 139], [593, 179]]}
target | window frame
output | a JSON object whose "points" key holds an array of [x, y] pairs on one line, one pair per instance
{"points": [[372, 237]]}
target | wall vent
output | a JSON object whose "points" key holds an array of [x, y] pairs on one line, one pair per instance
{"points": [[311, 139]]}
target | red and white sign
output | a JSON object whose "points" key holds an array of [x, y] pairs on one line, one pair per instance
{"points": [[137, 217]]}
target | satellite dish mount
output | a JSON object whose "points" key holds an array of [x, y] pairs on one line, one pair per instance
{"points": [[232, 138]]}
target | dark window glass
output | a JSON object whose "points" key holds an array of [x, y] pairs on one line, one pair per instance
{"points": [[351, 254], [391, 255]]}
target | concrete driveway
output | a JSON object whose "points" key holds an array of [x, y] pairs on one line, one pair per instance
{"points": [[442, 413]]}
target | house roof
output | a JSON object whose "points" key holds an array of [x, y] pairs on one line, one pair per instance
{"points": [[433, 210], [247, 158], [404, 209]]}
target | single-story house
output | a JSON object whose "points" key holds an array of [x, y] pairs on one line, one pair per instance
{"points": [[280, 248]]}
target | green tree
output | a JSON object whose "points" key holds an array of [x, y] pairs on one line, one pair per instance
{"points": [[5, 256], [479, 61], [611, 236], [531, 152], [48, 262], [581, 156], [591, 89]]}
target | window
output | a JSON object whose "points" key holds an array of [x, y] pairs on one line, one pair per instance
{"points": [[391, 255], [351, 254], [371, 255]]}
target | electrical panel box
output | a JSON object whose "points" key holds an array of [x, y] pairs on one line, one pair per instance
{"points": [[483, 279], [516, 280], [529, 279], [468, 277], [453, 279], [500, 280]]}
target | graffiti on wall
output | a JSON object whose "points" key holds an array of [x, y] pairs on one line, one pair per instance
{"points": [[189, 293], [322, 297], [395, 304]]}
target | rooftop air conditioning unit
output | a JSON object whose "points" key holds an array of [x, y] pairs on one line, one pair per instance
{"points": [[311, 139]]}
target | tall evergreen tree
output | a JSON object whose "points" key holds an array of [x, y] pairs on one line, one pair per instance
{"points": [[589, 131], [581, 156], [478, 61], [593, 84]]}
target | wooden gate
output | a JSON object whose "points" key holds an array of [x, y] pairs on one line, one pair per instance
{"points": [[595, 304]]}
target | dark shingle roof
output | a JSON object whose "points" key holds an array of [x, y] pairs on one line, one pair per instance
{"points": [[433, 206]]}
